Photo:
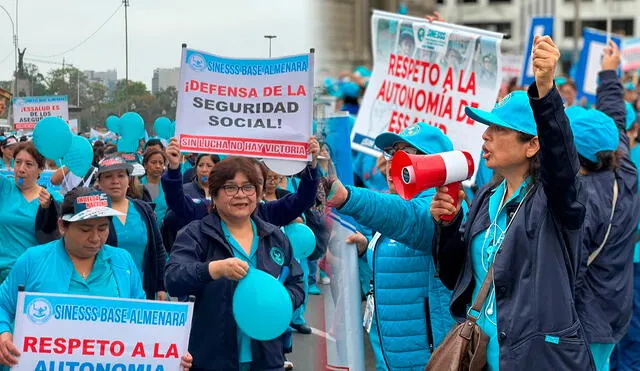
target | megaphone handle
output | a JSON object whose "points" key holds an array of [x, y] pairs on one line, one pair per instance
{"points": [[453, 190]]}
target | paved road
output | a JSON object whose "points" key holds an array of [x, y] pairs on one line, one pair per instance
{"points": [[308, 350]]}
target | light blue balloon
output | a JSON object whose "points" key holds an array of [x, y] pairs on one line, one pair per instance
{"points": [[260, 296], [128, 145], [79, 157], [132, 126], [164, 128], [52, 137], [113, 124], [303, 241]]}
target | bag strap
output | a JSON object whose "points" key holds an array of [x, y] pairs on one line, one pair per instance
{"points": [[482, 295], [88, 176], [597, 252]]}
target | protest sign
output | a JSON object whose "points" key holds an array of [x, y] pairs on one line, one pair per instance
{"points": [[511, 67], [27, 111], [73, 125], [43, 181], [590, 62], [630, 54], [65, 332], [428, 72], [246, 107], [539, 26]]}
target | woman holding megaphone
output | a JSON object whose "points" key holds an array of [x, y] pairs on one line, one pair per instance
{"points": [[512, 266]]}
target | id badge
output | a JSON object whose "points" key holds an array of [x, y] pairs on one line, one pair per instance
{"points": [[368, 313]]}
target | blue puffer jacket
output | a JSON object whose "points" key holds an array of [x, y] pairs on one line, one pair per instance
{"points": [[412, 306]]}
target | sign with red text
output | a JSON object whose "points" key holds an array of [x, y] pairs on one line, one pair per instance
{"points": [[428, 72], [27, 111], [630, 54], [66, 332], [247, 107]]}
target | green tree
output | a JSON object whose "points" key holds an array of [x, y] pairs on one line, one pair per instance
{"points": [[64, 81], [167, 100]]}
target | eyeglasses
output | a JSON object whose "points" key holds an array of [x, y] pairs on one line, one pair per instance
{"points": [[232, 189], [390, 151], [272, 178]]}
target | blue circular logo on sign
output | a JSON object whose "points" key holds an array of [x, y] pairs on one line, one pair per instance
{"points": [[197, 62], [421, 33], [277, 255], [39, 311]]}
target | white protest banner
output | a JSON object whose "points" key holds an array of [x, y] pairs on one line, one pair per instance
{"points": [[459, 67], [511, 67], [247, 107], [630, 54], [73, 125], [27, 111], [89, 333]]}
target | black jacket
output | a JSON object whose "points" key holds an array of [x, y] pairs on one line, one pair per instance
{"points": [[536, 266], [213, 341], [155, 255]]}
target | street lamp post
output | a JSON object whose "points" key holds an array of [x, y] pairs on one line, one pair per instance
{"points": [[126, 43], [15, 55], [270, 37]]}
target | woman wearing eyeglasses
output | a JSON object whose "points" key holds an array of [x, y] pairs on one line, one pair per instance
{"points": [[209, 256]]}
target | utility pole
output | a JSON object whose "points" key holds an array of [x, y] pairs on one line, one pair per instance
{"points": [[270, 37], [126, 43], [577, 30]]}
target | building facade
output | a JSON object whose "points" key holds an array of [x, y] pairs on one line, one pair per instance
{"points": [[164, 77], [108, 79], [346, 23]]}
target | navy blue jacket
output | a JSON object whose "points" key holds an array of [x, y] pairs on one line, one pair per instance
{"points": [[280, 212], [213, 341], [536, 266], [193, 190], [604, 293], [155, 256]]}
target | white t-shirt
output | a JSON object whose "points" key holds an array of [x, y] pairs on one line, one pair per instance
{"points": [[72, 181]]}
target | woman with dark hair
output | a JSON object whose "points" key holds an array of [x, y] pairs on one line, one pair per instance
{"points": [[154, 162], [209, 257], [198, 175], [522, 238], [136, 230], [20, 201], [79, 263], [604, 289]]}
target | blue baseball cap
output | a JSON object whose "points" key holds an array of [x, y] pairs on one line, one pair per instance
{"points": [[91, 206], [594, 132], [573, 112], [424, 137], [631, 115], [512, 112]]}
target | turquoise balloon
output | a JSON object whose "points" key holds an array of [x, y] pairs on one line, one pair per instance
{"points": [[262, 306], [302, 239], [128, 145], [164, 128], [52, 137], [79, 157], [131, 126], [113, 124]]}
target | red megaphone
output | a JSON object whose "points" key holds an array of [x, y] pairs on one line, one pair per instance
{"points": [[412, 174]]}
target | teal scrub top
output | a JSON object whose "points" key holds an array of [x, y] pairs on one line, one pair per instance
{"points": [[244, 341], [101, 281], [483, 249], [635, 157], [17, 224], [132, 236], [160, 201], [2, 166]]}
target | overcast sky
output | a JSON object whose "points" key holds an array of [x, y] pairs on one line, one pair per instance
{"points": [[157, 28]]}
